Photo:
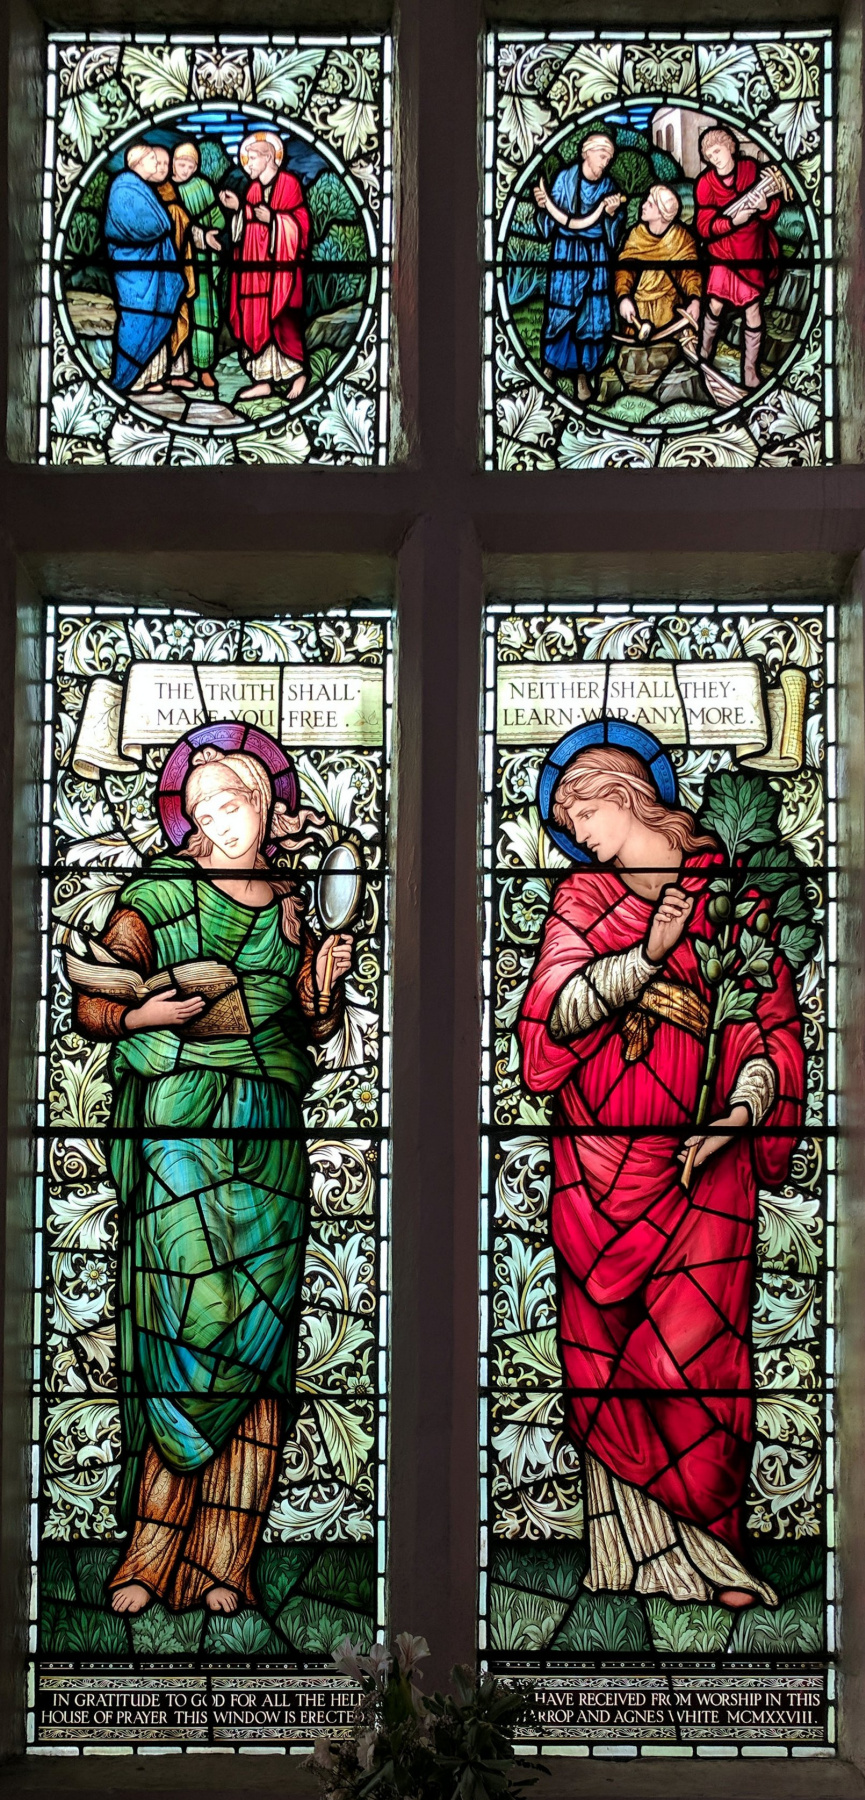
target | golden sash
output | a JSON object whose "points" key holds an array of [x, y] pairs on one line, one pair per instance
{"points": [[662, 1000]]}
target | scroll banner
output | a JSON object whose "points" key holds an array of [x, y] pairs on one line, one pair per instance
{"points": [[297, 703], [680, 703]]}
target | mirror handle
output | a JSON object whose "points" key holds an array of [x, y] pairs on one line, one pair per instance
{"points": [[324, 996]]}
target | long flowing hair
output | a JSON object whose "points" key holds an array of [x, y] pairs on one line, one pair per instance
{"points": [[214, 772], [607, 773]]}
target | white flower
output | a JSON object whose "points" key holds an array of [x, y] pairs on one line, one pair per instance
{"points": [[705, 632], [347, 1660], [410, 1651], [378, 1663]]}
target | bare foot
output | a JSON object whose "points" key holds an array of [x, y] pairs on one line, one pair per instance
{"points": [[221, 1600], [207, 380], [156, 387], [181, 381], [737, 1598], [584, 388], [260, 390], [130, 1599], [297, 387]]}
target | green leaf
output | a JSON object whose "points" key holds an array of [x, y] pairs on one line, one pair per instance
{"points": [[244, 1634], [774, 868], [523, 1621], [344, 1574], [741, 810], [795, 1627], [756, 959], [685, 1630], [734, 1005], [750, 945], [791, 904], [58, 1581], [603, 1622], [798, 943]]}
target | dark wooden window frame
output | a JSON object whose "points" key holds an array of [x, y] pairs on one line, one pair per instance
{"points": [[434, 534]]}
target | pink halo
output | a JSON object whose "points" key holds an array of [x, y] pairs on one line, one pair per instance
{"points": [[229, 735]]}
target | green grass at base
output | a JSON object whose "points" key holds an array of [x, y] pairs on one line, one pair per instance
{"points": [[311, 1596]]}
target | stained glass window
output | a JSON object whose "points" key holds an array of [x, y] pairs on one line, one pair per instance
{"points": [[217, 227], [658, 220], [210, 1412], [658, 1152]]}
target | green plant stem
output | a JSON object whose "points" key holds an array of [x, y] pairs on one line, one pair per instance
{"points": [[713, 1039]]}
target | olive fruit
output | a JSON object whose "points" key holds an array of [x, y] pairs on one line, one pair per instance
{"points": [[722, 906], [761, 923], [713, 969]]}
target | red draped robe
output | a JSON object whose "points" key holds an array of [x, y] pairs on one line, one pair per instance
{"points": [[743, 260], [266, 297], [655, 1283]]}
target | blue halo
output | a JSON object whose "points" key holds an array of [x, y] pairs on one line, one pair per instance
{"points": [[601, 731]]}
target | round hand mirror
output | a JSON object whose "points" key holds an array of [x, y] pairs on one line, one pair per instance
{"points": [[339, 887]]}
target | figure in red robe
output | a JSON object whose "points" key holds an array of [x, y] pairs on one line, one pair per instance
{"points": [[737, 200], [654, 1282], [270, 231]]}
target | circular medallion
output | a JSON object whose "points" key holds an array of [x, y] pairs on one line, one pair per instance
{"points": [[622, 293], [240, 257]]}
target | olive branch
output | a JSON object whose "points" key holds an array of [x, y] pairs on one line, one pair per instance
{"points": [[759, 906]]}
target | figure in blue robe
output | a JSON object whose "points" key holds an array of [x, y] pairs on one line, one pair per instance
{"points": [[578, 317], [148, 281]]}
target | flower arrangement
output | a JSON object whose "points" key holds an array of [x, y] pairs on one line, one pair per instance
{"points": [[422, 1749]]}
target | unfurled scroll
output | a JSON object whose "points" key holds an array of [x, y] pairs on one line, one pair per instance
{"points": [[703, 703], [160, 701], [785, 705]]}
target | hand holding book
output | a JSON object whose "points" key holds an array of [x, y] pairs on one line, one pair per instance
{"points": [[162, 1011], [211, 1002]]}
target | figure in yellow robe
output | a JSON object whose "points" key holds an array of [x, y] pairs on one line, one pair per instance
{"points": [[658, 271]]}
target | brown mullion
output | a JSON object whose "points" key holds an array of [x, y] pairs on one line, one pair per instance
{"points": [[434, 1442]]}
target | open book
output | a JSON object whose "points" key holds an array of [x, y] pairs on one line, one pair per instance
{"points": [[225, 1014]]}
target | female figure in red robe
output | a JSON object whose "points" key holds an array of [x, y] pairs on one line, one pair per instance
{"points": [[655, 1282], [270, 231], [742, 248]]}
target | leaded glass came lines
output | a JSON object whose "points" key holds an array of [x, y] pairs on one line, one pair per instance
{"points": [[212, 1229], [658, 1161], [659, 287], [216, 256]]}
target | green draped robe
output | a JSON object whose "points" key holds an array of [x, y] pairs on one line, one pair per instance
{"points": [[209, 1158], [197, 196]]}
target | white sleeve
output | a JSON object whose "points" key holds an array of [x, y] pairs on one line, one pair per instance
{"points": [[755, 1088], [238, 220], [603, 985]]}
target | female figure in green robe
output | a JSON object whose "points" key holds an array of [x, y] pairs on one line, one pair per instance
{"points": [[208, 219], [208, 1155]]}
